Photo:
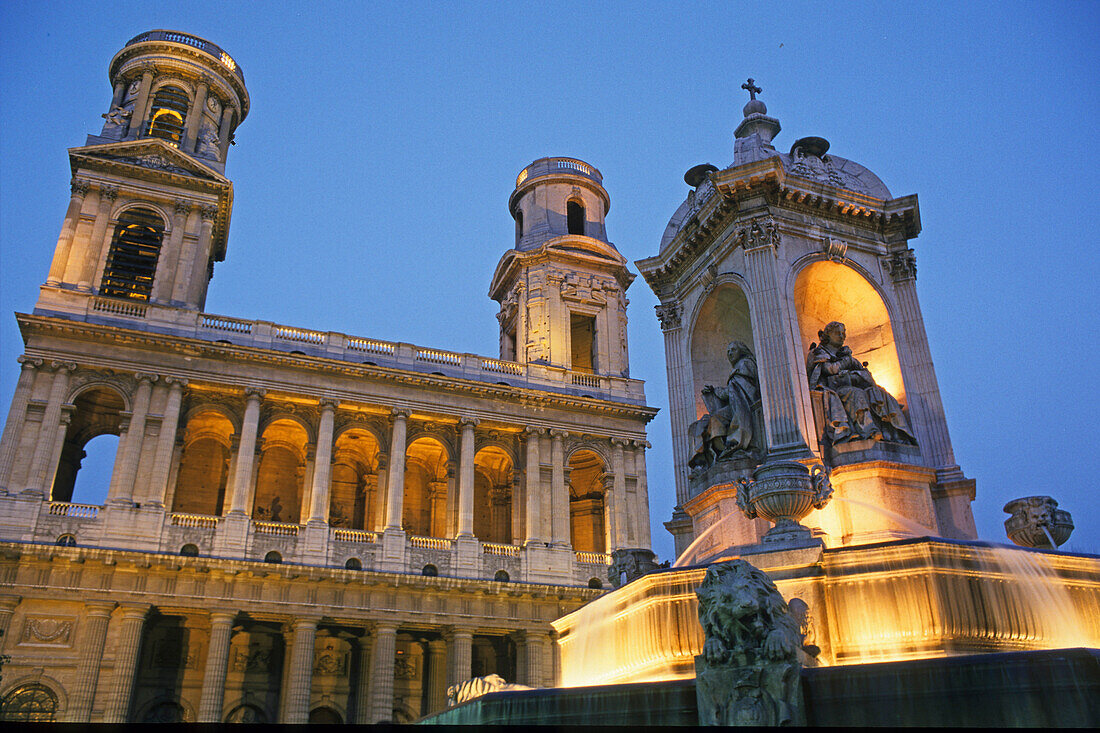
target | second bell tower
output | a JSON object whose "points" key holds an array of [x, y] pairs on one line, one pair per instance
{"points": [[562, 288]]}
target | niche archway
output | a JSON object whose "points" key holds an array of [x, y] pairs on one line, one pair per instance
{"points": [[427, 486], [493, 495], [204, 465], [98, 413], [354, 500], [829, 291], [723, 317], [281, 473], [588, 502]]}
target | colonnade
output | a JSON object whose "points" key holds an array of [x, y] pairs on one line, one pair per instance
{"points": [[371, 690]]}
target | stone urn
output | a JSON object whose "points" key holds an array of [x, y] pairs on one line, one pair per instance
{"points": [[783, 492], [1037, 521]]}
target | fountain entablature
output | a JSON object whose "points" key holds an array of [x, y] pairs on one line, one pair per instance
{"points": [[774, 252]]}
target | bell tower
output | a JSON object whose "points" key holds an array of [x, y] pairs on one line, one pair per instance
{"points": [[150, 207], [562, 288]]}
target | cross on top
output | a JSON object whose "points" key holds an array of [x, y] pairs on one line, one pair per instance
{"points": [[751, 88]]}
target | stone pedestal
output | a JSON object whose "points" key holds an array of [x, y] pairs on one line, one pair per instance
{"points": [[231, 537], [313, 543], [546, 564], [392, 557], [467, 557], [129, 526]]}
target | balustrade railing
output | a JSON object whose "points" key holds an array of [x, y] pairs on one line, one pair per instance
{"points": [[370, 346], [501, 367], [303, 335], [195, 521], [431, 543], [279, 529], [586, 380], [134, 309], [354, 535], [77, 511], [435, 356], [593, 558], [223, 323], [495, 548]]}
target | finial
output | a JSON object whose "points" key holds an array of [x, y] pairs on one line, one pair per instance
{"points": [[751, 88]]}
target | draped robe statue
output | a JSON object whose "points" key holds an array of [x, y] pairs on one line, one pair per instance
{"points": [[855, 407], [730, 429]]}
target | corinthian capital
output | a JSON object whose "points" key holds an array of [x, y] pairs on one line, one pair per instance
{"points": [[669, 315]]}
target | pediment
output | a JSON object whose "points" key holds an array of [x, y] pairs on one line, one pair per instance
{"points": [[149, 154]]}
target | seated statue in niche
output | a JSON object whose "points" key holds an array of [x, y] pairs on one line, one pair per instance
{"points": [[855, 407], [731, 427]]}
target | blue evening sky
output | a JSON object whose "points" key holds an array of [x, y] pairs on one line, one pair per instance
{"points": [[372, 175]]}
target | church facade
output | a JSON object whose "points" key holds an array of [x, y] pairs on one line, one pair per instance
{"points": [[300, 524]]}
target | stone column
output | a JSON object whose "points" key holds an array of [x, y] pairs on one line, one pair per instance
{"points": [[217, 661], [17, 415], [536, 659], [89, 253], [437, 675], [201, 272], [130, 445], [90, 650], [44, 447], [644, 537], [532, 492], [299, 681], [117, 97], [466, 479], [141, 107], [381, 499], [194, 117], [619, 518], [171, 258], [396, 483], [775, 347], [363, 681], [225, 131], [461, 643], [322, 467], [681, 402], [117, 709], [166, 442], [68, 230], [519, 506], [246, 451], [381, 670], [559, 492]]}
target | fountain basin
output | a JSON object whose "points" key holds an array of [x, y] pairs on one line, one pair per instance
{"points": [[895, 601]]}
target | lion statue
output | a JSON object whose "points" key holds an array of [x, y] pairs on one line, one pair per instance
{"points": [[748, 672], [478, 686]]}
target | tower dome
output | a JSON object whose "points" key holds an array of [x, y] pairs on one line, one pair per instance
{"points": [[556, 197]]}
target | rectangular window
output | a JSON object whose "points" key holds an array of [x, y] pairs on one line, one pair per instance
{"points": [[583, 341]]}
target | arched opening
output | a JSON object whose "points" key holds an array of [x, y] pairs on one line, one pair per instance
{"points": [[326, 716], [33, 703], [829, 291], [595, 583], [429, 571], [132, 258], [493, 495], [582, 343], [574, 214], [722, 319], [519, 225], [354, 500], [273, 557], [588, 480], [353, 563], [425, 511], [203, 474], [189, 550], [502, 576], [168, 114], [280, 477], [493, 655], [66, 540], [97, 414]]}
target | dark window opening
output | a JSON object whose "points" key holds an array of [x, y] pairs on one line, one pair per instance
{"points": [[353, 564], [33, 703], [595, 583], [273, 557], [583, 342], [66, 540], [169, 110], [430, 571], [574, 214], [502, 576], [132, 259], [189, 550], [519, 225]]}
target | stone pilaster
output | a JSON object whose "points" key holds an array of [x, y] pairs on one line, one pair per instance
{"points": [[532, 492], [466, 479], [381, 668], [212, 699], [8, 604], [166, 443], [13, 426], [300, 678], [194, 117], [90, 649], [681, 401], [776, 350], [91, 242], [182, 249], [141, 107], [132, 622]]}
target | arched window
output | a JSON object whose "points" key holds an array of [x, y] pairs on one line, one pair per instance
{"points": [[132, 259], [588, 502], [353, 564], [574, 214], [169, 110], [595, 583], [502, 576], [519, 225], [189, 550], [430, 571], [66, 540], [88, 453], [32, 703], [273, 557]]}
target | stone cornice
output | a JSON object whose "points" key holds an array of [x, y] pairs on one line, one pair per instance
{"points": [[782, 191], [524, 397]]}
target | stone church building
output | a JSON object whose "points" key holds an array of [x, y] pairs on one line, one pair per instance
{"points": [[300, 525]]}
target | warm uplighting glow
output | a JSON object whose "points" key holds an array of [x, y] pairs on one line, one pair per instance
{"points": [[905, 600], [229, 62]]}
